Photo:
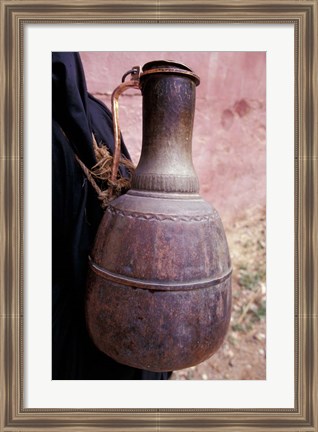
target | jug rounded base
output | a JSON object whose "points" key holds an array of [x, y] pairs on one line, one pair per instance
{"points": [[158, 330]]}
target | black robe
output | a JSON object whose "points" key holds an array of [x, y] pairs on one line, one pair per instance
{"points": [[76, 214]]}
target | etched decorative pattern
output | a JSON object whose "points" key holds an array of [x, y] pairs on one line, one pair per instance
{"points": [[163, 217], [166, 183]]}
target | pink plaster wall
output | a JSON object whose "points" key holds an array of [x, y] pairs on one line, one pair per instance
{"points": [[229, 137]]}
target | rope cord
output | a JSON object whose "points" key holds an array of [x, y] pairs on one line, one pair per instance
{"points": [[102, 170]]}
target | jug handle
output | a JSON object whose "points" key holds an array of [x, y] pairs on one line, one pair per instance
{"points": [[132, 83]]}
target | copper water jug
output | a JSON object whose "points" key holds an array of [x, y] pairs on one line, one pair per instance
{"points": [[159, 287]]}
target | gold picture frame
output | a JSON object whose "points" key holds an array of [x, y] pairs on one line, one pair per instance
{"points": [[304, 16]]}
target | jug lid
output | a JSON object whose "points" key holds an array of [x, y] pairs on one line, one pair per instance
{"points": [[168, 66]]}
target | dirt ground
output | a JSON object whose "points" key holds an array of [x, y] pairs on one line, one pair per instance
{"points": [[243, 353]]}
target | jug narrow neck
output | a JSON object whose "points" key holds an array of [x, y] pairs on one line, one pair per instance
{"points": [[168, 113]]}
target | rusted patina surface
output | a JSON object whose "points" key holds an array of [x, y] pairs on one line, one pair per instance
{"points": [[159, 288]]}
